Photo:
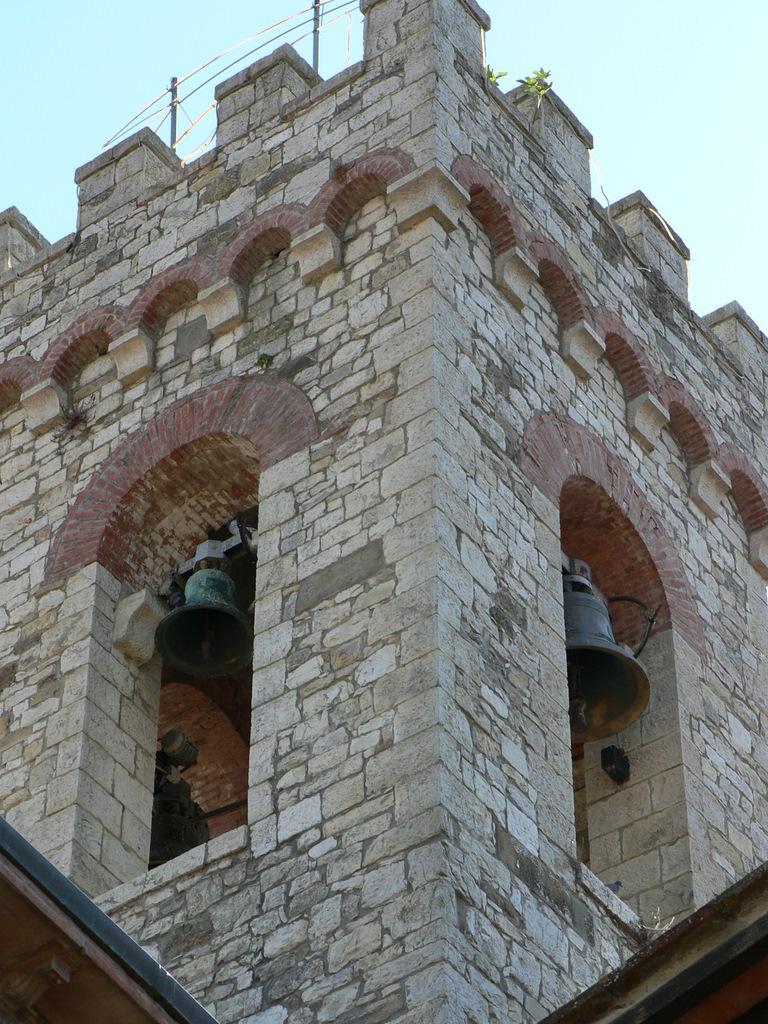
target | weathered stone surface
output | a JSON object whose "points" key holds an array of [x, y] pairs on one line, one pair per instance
{"points": [[427, 192], [709, 485], [318, 251], [758, 551], [645, 417], [221, 304], [348, 570], [133, 354], [661, 247], [118, 176], [19, 239], [514, 272], [136, 619], [582, 347], [44, 405]]}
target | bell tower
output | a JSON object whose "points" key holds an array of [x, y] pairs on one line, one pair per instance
{"points": [[402, 365]]}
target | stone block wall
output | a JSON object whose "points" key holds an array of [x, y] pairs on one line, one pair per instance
{"points": [[19, 240], [385, 310]]}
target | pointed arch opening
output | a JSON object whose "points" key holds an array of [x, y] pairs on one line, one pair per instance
{"points": [[633, 830], [190, 475], [595, 531]]}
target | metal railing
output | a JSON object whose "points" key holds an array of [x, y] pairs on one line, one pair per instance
{"points": [[183, 94]]}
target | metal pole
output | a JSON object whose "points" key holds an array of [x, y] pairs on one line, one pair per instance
{"points": [[234, 806], [174, 103], [316, 39]]}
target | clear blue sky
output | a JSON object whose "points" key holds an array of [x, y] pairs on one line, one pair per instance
{"points": [[674, 93]]}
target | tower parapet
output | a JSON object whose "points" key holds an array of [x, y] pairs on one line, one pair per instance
{"points": [[19, 240], [260, 93], [118, 177], [661, 248]]}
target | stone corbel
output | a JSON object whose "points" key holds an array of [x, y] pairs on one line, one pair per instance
{"points": [[221, 304], [582, 347], [427, 193], [514, 272], [709, 484], [758, 551], [136, 619], [134, 356], [645, 418], [318, 252], [44, 405], [27, 978]]}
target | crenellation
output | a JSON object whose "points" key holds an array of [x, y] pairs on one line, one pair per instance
{"points": [[20, 241], [564, 140], [659, 246], [123, 174]]}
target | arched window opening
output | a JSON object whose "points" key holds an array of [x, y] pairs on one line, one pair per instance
{"points": [[201, 775], [617, 787]]}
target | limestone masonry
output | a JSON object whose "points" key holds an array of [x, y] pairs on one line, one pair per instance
{"points": [[384, 316]]}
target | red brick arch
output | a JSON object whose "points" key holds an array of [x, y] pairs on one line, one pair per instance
{"points": [[85, 339], [687, 422], [625, 354], [555, 451], [560, 281], [496, 213], [348, 190], [490, 205], [194, 461], [167, 292], [264, 237], [748, 488], [16, 376]]}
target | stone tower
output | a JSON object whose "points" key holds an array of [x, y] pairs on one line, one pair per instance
{"points": [[384, 317]]}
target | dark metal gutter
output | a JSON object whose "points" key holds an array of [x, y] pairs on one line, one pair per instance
{"points": [[685, 965], [122, 949]]}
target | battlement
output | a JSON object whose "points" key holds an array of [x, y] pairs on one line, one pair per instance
{"points": [[19, 240], [118, 177], [272, 135], [276, 88], [661, 249]]}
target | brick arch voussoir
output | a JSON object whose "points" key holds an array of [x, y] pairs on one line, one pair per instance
{"points": [[344, 194], [278, 420], [491, 206], [263, 238], [747, 487], [579, 453], [86, 338], [560, 281], [16, 376], [168, 291], [687, 422], [274, 415], [625, 353]]}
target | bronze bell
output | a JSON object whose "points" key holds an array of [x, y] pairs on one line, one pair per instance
{"points": [[208, 635], [607, 686], [177, 821]]}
